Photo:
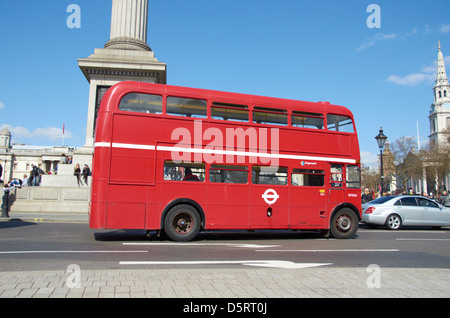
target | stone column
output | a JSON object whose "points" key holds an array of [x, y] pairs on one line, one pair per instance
{"points": [[125, 57], [129, 25]]}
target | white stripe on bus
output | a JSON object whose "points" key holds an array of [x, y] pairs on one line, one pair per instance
{"points": [[220, 152]]}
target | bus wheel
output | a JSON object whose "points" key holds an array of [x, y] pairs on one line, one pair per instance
{"points": [[344, 224], [182, 223]]}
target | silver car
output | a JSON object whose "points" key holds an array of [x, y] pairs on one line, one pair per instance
{"points": [[405, 210]]}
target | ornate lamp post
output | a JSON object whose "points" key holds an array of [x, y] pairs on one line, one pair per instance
{"points": [[381, 140]]}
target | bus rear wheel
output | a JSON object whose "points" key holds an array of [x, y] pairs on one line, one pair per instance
{"points": [[344, 224], [182, 223]]}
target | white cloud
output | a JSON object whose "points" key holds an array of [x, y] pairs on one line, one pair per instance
{"points": [[2, 105], [375, 39], [445, 28], [426, 76], [411, 79], [369, 159], [50, 133]]}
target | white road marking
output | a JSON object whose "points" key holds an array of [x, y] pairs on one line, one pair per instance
{"points": [[257, 263], [330, 251], [44, 252], [204, 244], [420, 239]]}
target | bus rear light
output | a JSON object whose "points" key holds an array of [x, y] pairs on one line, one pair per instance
{"points": [[369, 210]]}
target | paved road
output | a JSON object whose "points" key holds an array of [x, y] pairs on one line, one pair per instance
{"points": [[49, 259]]}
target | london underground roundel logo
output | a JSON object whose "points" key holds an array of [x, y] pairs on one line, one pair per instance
{"points": [[270, 196]]}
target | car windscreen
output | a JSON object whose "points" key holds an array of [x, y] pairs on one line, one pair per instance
{"points": [[381, 200]]}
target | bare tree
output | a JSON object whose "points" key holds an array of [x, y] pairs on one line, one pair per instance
{"points": [[436, 159], [408, 164]]}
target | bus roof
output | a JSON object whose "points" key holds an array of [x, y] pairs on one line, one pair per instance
{"points": [[123, 88]]}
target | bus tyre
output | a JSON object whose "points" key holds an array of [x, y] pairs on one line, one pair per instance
{"points": [[182, 223], [344, 224]]}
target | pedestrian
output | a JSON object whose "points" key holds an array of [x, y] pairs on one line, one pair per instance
{"points": [[445, 199], [366, 197], [64, 160], [77, 173], [86, 173], [5, 200], [25, 180], [35, 175]]}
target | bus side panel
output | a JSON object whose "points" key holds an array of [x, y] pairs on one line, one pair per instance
{"points": [[228, 206], [265, 215], [125, 215], [99, 186], [97, 217], [133, 158], [132, 166], [339, 144], [126, 207], [308, 208]]}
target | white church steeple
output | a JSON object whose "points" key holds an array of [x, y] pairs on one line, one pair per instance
{"points": [[441, 74], [440, 110]]}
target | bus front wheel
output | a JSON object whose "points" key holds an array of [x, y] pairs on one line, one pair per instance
{"points": [[182, 223], [344, 224]]}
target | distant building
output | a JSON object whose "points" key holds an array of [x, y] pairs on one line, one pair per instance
{"points": [[16, 159]]}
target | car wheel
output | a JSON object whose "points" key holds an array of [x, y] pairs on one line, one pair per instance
{"points": [[393, 222]]}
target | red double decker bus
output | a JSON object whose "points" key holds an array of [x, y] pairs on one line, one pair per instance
{"points": [[185, 160]]}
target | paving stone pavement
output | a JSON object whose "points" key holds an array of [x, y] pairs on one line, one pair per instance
{"points": [[229, 283]]}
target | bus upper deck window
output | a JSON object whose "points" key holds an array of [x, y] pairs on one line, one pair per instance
{"points": [[340, 123], [232, 112], [307, 120], [186, 107], [270, 116], [141, 103]]}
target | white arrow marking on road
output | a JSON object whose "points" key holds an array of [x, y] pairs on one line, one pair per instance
{"points": [[260, 263], [205, 244]]}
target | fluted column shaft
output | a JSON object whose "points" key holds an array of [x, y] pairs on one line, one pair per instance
{"points": [[129, 21]]}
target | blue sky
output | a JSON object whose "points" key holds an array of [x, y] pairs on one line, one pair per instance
{"points": [[311, 50]]}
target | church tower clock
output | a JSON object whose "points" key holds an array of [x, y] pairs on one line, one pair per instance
{"points": [[440, 110]]}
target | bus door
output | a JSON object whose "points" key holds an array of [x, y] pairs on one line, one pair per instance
{"points": [[269, 197], [308, 197], [336, 191]]}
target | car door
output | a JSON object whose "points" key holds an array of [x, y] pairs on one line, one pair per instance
{"points": [[433, 215], [410, 212]]}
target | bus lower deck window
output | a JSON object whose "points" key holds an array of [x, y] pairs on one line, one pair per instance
{"points": [[269, 175], [305, 177], [228, 174], [184, 171]]}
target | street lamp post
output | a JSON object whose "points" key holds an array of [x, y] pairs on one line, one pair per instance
{"points": [[381, 140]]}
